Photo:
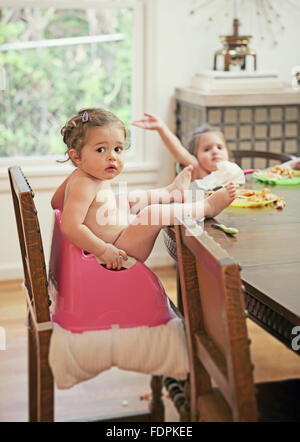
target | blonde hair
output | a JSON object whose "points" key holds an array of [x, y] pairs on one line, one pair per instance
{"points": [[203, 129], [74, 131]]}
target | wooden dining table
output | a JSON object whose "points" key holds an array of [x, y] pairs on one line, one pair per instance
{"points": [[267, 248]]}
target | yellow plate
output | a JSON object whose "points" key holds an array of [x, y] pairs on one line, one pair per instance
{"points": [[243, 202], [238, 202]]}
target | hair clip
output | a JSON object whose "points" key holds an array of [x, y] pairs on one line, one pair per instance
{"points": [[85, 117]]}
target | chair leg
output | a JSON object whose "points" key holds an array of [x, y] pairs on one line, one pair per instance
{"points": [[32, 373], [179, 295], [45, 393], [156, 406]]}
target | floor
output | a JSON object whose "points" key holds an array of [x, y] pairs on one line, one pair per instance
{"points": [[113, 391]]}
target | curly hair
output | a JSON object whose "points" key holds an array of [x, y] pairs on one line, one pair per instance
{"points": [[74, 131]]}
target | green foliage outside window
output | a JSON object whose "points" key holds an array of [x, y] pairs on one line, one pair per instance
{"points": [[48, 85]]}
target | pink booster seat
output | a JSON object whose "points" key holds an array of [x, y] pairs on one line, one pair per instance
{"points": [[91, 297]]}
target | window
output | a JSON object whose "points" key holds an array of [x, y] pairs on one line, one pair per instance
{"points": [[63, 58]]}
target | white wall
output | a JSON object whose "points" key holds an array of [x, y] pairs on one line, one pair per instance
{"points": [[180, 44], [177, 45], [186, 44]]}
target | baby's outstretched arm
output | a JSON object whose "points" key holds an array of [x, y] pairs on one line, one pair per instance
{"points": [[177, 150], [81, 195]]}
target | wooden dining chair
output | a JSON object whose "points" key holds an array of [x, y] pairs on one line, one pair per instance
{"points": [[40, 379], [259, 159], [221, 372]]}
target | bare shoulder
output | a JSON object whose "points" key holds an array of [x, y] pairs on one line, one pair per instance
{"points": [[81, 188], [82, 181]]}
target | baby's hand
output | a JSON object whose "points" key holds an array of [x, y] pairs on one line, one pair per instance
{"points": [[112, 257], [151, 122]]}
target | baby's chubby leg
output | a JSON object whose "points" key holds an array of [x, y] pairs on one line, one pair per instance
{"points": [[180, 184], [174, 192], [165, 214], [139, 237]]}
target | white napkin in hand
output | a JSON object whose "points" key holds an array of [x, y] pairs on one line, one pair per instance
{"points": [[226, 172]]}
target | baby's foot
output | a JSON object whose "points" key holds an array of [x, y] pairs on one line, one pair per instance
{"points": [[219, 200], [180, 184]]}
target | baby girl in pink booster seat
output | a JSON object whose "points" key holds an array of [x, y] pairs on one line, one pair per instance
{"points": [[96, 219], [104, 313]]}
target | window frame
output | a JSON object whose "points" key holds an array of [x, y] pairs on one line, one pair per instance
{"points": [[138, 154]]}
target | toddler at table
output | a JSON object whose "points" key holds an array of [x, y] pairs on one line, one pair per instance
{"points": [[206, 147], [96, 219]]}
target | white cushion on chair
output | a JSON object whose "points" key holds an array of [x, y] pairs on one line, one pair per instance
{"points": [[159, 350]]}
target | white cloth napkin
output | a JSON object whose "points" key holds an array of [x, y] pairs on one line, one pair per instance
{"points": [[226, 172]]}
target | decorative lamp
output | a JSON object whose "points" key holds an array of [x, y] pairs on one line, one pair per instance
{"points": [[235, 49]]}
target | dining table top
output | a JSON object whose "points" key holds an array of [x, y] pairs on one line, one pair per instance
{"points": [[267, 247]]}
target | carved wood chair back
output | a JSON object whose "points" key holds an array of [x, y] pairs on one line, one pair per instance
{"points": [[259, 159], [221, 373], [216, 330]]}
